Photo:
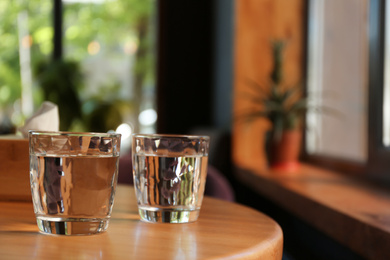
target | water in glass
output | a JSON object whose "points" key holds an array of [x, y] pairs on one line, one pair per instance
{"points": [[169, 188]]}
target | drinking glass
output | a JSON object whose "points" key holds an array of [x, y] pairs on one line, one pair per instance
{"points": [[73, 178], [169, 174]]}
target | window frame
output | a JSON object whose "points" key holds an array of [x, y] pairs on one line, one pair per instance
{"points": [[378, 154]]}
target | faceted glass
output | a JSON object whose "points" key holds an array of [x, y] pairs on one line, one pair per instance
{"points": [[73, 178], [169, 176]]}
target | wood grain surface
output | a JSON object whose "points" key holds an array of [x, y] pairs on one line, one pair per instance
{"points": [[354, 213], [224, 230]]}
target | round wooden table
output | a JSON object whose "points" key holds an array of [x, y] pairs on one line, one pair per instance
{"points": [[223, 230]]}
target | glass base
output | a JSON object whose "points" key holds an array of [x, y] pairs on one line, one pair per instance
{"points": [[72, 226], [168, 216]]}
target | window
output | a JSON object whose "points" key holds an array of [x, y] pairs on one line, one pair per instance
{"points": [[114, 42], [108, 51], [337, 78], [348, 55]]}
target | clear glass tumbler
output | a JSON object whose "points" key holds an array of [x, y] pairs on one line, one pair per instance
{"points": [[169, 176], [73, 178]]}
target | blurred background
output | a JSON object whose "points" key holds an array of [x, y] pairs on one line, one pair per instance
{"points": [[109, 65]]}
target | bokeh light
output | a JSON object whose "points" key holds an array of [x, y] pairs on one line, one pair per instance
{"points": [[147, 117], [125, 130], [93, 47], [27, 41], [130, 47]]}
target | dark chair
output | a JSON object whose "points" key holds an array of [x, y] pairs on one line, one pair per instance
{"points": [[125, 173], [217, 185]]}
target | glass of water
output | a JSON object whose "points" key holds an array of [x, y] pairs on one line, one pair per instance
{"points": [[169, 176], [73, 178]]}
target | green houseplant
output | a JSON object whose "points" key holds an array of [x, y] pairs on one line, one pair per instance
{"points": [[285, 107]]}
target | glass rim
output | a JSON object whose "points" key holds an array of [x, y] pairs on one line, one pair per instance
{"points": [[69, 133], [205, 137]]}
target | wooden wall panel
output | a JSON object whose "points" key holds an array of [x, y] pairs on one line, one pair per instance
{"points": [[258, 22]]}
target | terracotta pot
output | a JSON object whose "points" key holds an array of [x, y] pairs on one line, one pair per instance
{"points": [[284, 152]]}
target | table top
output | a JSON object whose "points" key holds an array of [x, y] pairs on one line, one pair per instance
{"points": [[223, 230]]}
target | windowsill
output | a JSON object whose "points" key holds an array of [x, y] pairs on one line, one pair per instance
{"points": [[354, 214]]}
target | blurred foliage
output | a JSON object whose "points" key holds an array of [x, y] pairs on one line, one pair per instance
{"points": [[121, 27], [60, 81], [105, 110], [39, 13]]}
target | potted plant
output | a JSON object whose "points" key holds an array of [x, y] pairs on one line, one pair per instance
{"points": [[285, 107]]}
